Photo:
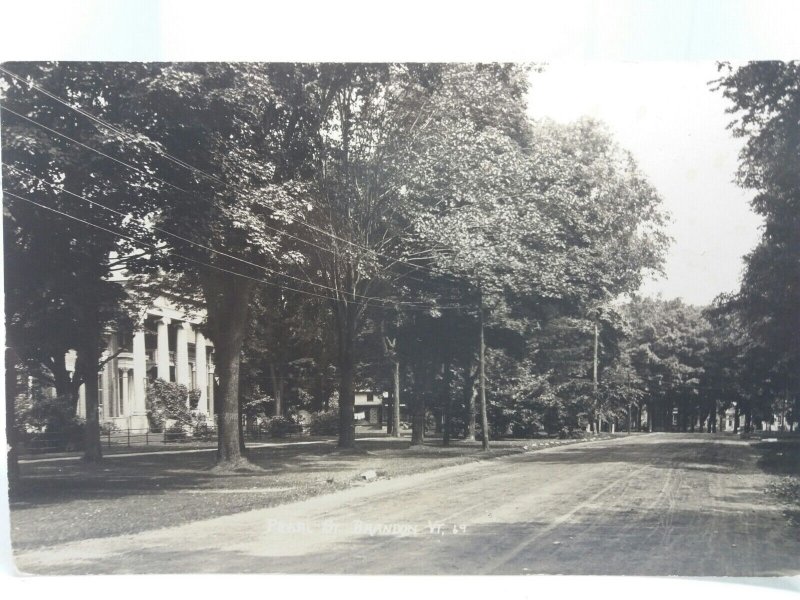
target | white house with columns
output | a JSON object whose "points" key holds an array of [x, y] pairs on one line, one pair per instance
{"points": [[166, 344]]}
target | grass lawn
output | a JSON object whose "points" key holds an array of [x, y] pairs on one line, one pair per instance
{"points": [[61, 501], [782, 458]]}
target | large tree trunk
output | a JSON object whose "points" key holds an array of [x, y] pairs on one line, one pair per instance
{"points": [[346, 324], [228, 301], [11, 429], [277, 389], [66, 385], [390, 351], [242, 448], [630, 416], [595, 398], [92, 451], [347, 428], [447, 400], [470, 395], [418, 415], [229, 438], [319, 393], [418, 419]]}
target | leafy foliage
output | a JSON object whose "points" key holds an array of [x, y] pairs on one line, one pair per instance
{"points": [[765, 104], [169, 404], [324, 422]]}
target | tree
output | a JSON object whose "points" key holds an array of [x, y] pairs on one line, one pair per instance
{"points": [[288, 340], [531, 214], [245, 137], [669, 344], [358, 218], [60, 250], [765, 104]]}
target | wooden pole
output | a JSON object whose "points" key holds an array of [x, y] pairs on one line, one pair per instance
{"points": [[594, 374], [482, 376], [396, 403]]}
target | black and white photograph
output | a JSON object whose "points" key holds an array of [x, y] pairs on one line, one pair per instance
{"points": [[372, 315]]}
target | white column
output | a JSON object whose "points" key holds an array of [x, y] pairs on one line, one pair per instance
{"points": [[201, 368], [138, 409], [126, 410], [104, 397], [210, 377], [111, 393], [182, 373], [82, 401], [163, 348]]}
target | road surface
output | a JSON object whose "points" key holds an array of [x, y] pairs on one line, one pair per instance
{"points": [[658, 504]]}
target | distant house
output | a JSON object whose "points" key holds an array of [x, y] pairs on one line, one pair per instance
{"points": [[776, 424], [375, 408], [369, 407]]}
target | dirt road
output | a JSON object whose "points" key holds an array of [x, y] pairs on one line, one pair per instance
{"points": [[658, 504]]}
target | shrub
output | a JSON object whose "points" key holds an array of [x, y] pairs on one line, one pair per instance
{"points": [[279, 426], [49, 424], [176, 431], [108, 427], [203, 428], [167, 401], [569, 433], [324, 422], [193, 396], [257, 406], [69, 437]]}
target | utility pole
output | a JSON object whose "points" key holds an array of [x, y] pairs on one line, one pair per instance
{"points": [[482, 375], [396, 403], [594, 373], [630, 419]]}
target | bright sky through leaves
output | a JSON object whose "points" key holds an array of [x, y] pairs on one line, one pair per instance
{"points": [[675, 126]]}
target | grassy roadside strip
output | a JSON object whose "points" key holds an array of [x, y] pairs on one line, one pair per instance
{"points": [[781, 459], [65, 501]]}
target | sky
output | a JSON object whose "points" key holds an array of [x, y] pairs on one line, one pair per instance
{"points": [[668, 117]]}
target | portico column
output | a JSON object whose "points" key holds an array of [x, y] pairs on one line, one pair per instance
{"points": [[138, 410], [201, 367], [163, 348], [210, 377], [182, 373], [126, 410]]}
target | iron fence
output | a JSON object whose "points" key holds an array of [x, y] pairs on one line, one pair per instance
{"points": [[41, 442]]}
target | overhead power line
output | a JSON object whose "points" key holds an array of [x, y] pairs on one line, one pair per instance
{"points": [[199, 262], [193, 169], [100, 121], [208, 248], [5, 108], [138, 170]]}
